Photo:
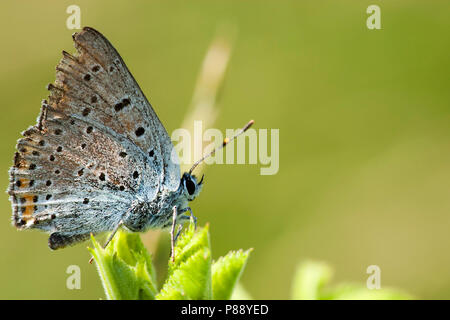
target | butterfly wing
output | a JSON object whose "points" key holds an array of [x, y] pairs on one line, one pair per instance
{"points": [[120, 97], [98, 145]]}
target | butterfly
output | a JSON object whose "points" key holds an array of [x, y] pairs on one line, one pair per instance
{"points": [[98, 157]]}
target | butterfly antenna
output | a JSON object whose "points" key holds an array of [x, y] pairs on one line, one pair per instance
{"points": [[225, 142]]}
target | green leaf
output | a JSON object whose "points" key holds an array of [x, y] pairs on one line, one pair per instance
{"points": [[358, 292], [127, 272], [189, 276], [125, 268], [226, 271], [309, 279], [239, 293]]}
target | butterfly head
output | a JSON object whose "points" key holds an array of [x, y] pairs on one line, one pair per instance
{"points": [[191, 188]]}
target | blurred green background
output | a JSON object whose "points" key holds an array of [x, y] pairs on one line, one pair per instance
{"points": [[364, 133]]}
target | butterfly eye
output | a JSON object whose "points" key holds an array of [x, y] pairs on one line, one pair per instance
{"points": [[190, 186]]}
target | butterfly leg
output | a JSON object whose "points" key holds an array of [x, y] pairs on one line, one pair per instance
{"points": [[113, 232], [194, 218], [172, 232], [111, 236], [182, 220], [173, 237], [180, 228]]}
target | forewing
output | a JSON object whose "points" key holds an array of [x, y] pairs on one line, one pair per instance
{"points": [[99, 71], [97, 143]]}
